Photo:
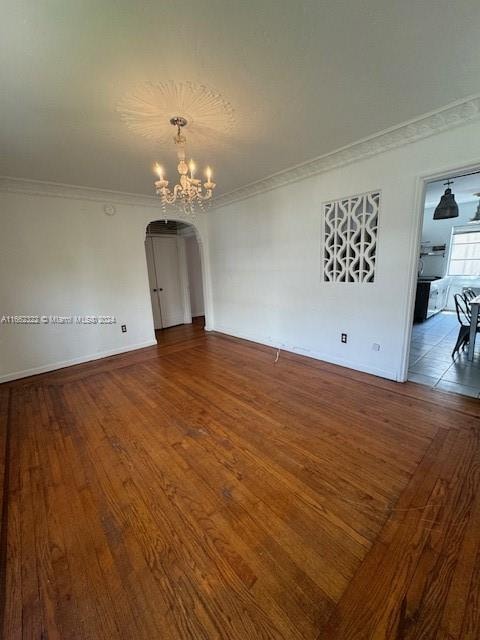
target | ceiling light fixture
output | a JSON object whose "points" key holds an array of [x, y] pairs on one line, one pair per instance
{"points": [[188, 193], [476, 217], [447, 207]]}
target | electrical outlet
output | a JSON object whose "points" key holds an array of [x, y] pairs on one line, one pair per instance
{"points": [[124, 328], [376, 346], [344, 338]]}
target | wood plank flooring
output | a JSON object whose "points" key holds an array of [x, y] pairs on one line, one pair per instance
{"points": [[198, 490]]}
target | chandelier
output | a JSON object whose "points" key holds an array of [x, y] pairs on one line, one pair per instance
{"points": [[189, 192]]}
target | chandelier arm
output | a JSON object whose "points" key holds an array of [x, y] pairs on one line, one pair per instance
{"points": [[205, 196], [170, 197]]}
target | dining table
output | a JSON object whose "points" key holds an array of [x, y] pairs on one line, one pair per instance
{"points": [[474, 309]]}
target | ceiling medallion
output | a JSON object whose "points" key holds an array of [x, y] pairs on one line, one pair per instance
{"points": [[149, 107], [188, 193]]}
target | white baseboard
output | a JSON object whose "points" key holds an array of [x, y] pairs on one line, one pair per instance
{"points": [[317, 355], [391, 375], [69, 363]]}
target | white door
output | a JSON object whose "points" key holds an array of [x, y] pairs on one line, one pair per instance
{"points": [[152, 279], [167, 271]]}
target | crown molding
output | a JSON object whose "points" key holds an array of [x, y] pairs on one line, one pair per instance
{"points": [[452, 115], [448, 117], [59, 190]]}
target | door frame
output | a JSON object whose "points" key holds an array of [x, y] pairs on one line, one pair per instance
{"points": [[152, 273], [205, 267], [419, 210], [184, 281]]}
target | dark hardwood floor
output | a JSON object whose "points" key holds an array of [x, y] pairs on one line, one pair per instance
{"points": [[199, 490]]}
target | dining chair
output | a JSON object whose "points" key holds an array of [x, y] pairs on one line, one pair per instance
{"points": [[469, 294], [462, 307]]}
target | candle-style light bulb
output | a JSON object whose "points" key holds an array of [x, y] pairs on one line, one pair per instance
{"points": [[158, 170], [208, 173], [192, 167]]}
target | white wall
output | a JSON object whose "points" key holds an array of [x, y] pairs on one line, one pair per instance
{"points": [[266, 258], [195, 280], [64, 256]]}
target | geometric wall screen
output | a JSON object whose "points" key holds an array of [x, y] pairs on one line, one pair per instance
{"points": [[350, 236]]}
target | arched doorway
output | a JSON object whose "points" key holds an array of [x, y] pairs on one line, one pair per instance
{"points": [[176, 273]]}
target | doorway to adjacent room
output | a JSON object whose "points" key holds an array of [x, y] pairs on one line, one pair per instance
{"points": [[175, 274], [442, 353]]}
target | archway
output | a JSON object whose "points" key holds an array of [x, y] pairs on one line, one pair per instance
{"points": [[178, 273]]}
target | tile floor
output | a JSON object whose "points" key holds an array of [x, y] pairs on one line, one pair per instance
{"points": [[431, 361]]}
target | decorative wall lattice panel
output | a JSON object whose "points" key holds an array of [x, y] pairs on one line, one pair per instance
{"points": [[350, 238]]}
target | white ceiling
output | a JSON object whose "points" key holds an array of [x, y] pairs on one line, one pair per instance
{"points": [[304, 78], [464, 188]]}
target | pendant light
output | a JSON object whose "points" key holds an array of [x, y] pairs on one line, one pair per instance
{"points": [[476, 217], [447, 207]]}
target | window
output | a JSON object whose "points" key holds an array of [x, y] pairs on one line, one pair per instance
{"points": [[465, 253]]}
